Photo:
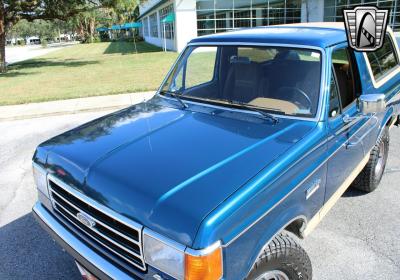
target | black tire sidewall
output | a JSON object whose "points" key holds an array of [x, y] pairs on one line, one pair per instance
{"points": [[286, 263], [368, 180], [383, 141], [285, 255]]}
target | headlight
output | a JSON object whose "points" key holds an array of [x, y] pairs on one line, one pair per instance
{"points": [[172, 258], [39, 175], [168, 258]]}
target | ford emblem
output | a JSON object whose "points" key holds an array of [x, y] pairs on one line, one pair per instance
{"points": [[85, 219]]}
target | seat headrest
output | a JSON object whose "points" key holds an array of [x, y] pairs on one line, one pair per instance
{"points": [[239, 59], [287, 55]]}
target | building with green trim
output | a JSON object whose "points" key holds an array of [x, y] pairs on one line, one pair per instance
{"points": [[175, 22]]}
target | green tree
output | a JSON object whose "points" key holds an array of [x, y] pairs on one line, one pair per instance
{"points": [[12, 11], [41, 28], [22, 29]]}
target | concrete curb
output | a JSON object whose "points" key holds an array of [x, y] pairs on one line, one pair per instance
{"points": [[72, 106]]}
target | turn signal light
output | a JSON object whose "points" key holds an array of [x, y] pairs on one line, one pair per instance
{"points": [[206, 267]]}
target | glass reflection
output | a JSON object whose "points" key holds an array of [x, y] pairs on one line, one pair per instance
{"points": [[214, 16]]}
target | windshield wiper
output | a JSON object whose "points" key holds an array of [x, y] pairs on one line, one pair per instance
{"points": [[176, 96], [255, 109]]}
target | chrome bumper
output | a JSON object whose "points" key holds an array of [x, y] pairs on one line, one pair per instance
{"points": [[79, 250]]}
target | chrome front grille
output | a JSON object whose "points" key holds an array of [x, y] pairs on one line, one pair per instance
{"points": [[118, 235]]}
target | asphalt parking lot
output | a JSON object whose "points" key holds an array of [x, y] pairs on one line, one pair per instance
{"points": [[357, 240]]}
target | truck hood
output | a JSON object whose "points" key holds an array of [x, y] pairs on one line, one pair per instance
{"points": [[164, 167]]}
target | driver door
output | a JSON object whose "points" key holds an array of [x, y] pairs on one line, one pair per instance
{"points": [[346, 128]]}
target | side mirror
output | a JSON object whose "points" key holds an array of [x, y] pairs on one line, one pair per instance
{"points": [[371, 103]]}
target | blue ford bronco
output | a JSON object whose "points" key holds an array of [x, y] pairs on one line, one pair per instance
{"points": [[250, 140]]}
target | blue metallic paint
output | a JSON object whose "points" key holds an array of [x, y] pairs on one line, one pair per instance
{"points": [[207, 174], [306, 36], [109, 159]]}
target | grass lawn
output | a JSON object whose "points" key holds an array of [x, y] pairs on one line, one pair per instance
{"points": [[86, 70]]}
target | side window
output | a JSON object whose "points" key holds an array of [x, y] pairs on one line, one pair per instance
{"points": [[334, 103], [200, 66], [344, 72], [384, 60]]}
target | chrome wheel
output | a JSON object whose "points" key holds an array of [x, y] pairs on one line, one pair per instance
{"points": [[380, 163], [273, 275]]}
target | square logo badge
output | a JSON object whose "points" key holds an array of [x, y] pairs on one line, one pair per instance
{"points": [[365, 27]]}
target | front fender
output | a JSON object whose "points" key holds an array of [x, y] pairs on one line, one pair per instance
{"points": [[268, 203], [241, 254], [281, 223], [391, 112]]}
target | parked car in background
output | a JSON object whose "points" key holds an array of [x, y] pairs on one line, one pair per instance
{"points": [[251, 139]]}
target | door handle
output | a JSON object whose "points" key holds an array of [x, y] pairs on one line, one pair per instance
{"points": [[360, 139], [348, 119]]}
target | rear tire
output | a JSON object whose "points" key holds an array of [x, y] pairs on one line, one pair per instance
{"points": [[370, 177], [282, 259]]}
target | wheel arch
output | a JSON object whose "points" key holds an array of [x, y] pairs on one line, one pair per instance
{"points": [[387, 121], [297, 226], [294, 225]]}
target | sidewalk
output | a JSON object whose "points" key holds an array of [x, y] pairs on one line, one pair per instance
{"points": [[71, 106]]}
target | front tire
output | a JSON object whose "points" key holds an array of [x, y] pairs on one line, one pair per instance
{"points": [[370, 177], [282, 259]]}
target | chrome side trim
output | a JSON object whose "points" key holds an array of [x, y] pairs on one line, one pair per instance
{"points": [[319, 113], [205, 251], [77, 245]]}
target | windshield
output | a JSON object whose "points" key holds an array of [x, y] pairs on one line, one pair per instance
{"points": [[279, 80]]}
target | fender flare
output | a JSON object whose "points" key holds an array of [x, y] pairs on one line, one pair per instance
{"points": [[267, 238], [388, 117]]}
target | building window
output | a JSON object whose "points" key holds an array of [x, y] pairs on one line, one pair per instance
{"points": [[334, 8], [141, 28], [153, 25], [215, 16], [169, 27], [146, 27]]}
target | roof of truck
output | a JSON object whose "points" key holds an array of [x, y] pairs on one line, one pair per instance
{"points": [[320, 34]]}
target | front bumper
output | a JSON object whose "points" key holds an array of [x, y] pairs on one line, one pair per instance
{"points": [[95, 263]]}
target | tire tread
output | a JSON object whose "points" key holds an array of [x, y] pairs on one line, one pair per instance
{"points": [[283, 246], [366, 181]]}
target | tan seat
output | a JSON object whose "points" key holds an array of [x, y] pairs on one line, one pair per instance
{"points": [[282, 105]]}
